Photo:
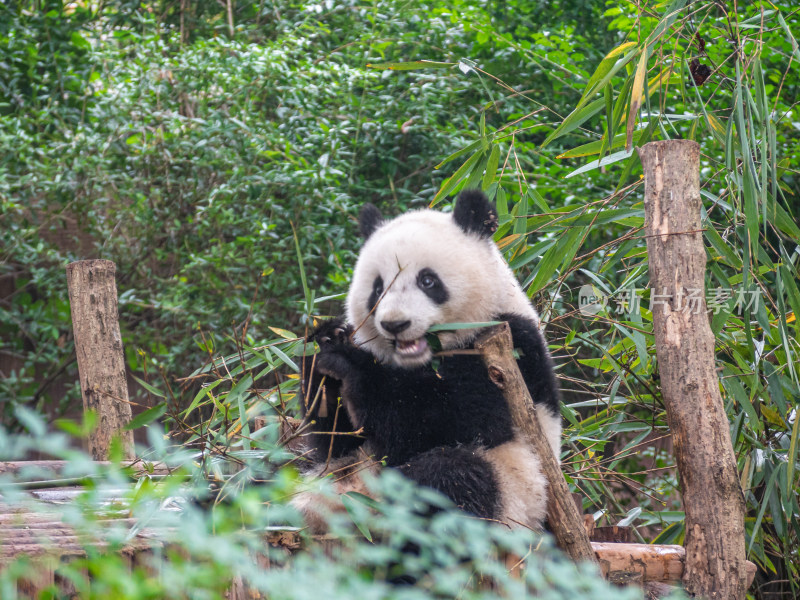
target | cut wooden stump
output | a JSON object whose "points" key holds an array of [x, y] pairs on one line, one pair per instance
{"points": [[98, 345], [712, 496]]}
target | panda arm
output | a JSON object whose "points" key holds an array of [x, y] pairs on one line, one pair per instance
{"points": [[323, 377], [534, 360]]}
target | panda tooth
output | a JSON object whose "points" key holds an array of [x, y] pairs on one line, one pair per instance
{"points": [[411, 347]]}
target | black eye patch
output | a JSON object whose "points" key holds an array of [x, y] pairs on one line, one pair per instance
{"points": [[428, 281], [377, 290]]}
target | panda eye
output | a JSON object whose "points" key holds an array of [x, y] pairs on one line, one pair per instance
{"points": [[378, 287], [427, 280], [432, 286]]}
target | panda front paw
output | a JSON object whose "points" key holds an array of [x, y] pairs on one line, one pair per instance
{"points": [[338, 357], [333, 332]]}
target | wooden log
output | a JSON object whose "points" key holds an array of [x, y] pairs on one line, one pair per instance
{"points": [[563, 516], [98, 345], [648, 562], [41, 470], [712, 496]]}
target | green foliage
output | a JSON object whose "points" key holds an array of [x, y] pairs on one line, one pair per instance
{"points": [[204, 548], [198, 148]]}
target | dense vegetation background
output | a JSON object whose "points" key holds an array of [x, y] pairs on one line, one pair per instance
{"points": [[218, 151]]}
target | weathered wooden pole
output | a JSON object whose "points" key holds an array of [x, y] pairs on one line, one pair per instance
{"points": [[712, 496], [98, 345], [565, 521]]}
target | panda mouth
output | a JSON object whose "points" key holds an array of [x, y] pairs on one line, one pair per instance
{"points": [[411, 348]]}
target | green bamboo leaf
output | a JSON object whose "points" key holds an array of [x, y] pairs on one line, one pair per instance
{"points": [[783, 327], [666, 21], [351, 506], [561, 253], [449, 184], [146, 417], [285, 358], [202, 394], [575, 119], [458, 326], [491, 167], [473, 146], [634, 158], [724, 249], [792, 454], [475, 176], [595, 147], [148, 387], [607, 68], [637, 91], [768, 491], [608, 94], [792, 294], [734, 388], [785, 222], [596, 164], [792, 40], [411, 65], [238, 394], [520, 213], [538, 200]]}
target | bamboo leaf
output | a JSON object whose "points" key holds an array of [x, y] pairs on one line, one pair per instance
{"points": [[791, 38], [575, 119], [561, 253], [607, 68], [147, 417], [351, 506], [411, 65], [449, 184], [636, 99], [595, 164], [473, 146], [148, 387], [491, 167]]}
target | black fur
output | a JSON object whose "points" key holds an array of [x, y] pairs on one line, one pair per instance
{"points": [[430, 283], [459, 473], [377, 290], [474, 214], [411, 416], [369, 219]]}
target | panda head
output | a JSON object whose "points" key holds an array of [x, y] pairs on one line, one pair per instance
{"points": [[427, 268]]}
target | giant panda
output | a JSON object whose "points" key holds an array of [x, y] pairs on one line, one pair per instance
{"points": [[434, 416]]}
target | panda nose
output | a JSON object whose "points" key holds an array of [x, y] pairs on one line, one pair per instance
{"points": [[395, 327]]}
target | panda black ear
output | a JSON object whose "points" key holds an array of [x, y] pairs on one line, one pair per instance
{"points": [[474, 214], [369, 219]]}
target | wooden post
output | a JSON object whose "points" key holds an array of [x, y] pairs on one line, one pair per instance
{"points": [[712, 496], [98, 345], [563, 517]]}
